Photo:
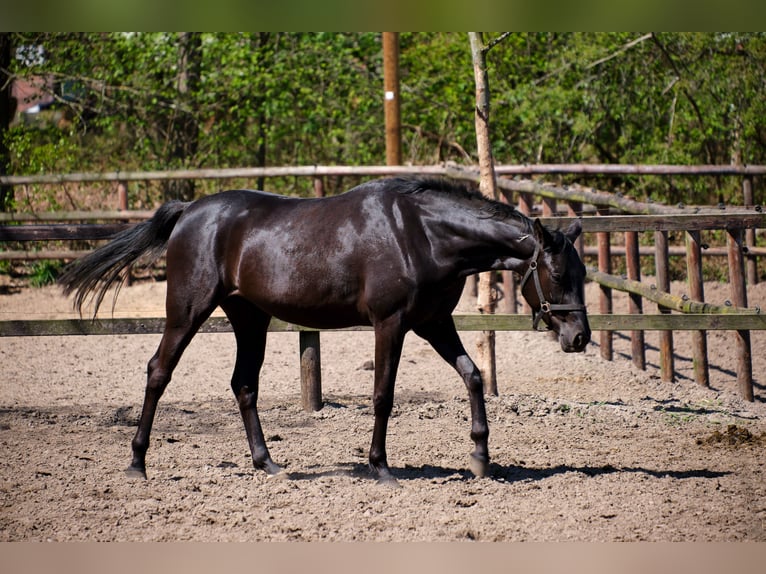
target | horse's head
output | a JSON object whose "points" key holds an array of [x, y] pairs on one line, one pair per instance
{"points": [[554, 286]]}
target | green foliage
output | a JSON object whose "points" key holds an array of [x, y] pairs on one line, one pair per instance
{"points": [[169, 100], [46, 150], [44, 272]]}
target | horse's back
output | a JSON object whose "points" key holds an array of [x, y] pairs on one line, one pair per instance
{"points": [[317, 261]]}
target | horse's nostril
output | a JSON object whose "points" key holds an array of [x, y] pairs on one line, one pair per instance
{"points": [[579, 341]]}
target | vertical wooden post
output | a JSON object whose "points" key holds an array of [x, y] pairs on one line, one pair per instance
{"points": [[739, 299], [510, 283], [635, 305], [311, 371], [574, 209], [122, 196], [122, 205], [485, 346], [697, 293], [526, 202], [751, 263], [605, 295], [549, 207], [662, 270], [510, 292], [391, 107], [318, 187]]}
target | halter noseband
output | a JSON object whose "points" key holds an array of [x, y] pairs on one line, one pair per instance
{"points": [[546, 308]]}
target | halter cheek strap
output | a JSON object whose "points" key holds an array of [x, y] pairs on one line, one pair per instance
{"points": [[546, 307]]}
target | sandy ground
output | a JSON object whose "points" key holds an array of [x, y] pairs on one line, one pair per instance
{"points": [[582, 449]]}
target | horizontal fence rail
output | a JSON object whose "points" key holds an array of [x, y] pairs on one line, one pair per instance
{"points": [[603, 223], [464, 322], [382, 170], [637, 217]]}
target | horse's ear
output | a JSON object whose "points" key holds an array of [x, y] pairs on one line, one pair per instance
{"points": [[574, 230], [543, 236]]}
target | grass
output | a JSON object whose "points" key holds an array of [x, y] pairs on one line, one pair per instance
{"points": [[44, 272]]}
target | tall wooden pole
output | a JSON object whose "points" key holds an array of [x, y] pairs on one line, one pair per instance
{"points": [[485, 350], [391, 98]]}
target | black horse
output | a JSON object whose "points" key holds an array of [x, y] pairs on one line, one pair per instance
{"points": [[392, 253]]}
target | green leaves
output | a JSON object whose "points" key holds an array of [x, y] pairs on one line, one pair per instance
{"points": [[317, 98]]}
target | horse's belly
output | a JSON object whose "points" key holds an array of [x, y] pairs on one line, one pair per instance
{"points": [[316, 304]]}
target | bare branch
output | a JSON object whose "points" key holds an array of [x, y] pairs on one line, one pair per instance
{"points": [[496, 41], [624, 48], [686, 92], [621, 50]]}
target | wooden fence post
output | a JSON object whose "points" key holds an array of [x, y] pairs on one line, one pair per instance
{"points": [[311, 371], [549, 207], [122, 205], [697, 293], [319, 187], [662, 270], [122, 196], [574, 209], [605, 296], [739, 299], [510, 283], [633, 262], [526, 201], [751, 263]]}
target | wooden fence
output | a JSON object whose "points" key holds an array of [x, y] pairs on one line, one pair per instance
{"points": [[696, 316]]}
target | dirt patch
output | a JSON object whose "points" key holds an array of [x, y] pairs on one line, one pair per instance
{"points": [[582, 449], [734, 436]]}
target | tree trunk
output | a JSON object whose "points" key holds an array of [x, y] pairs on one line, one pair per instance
{"points": [[183, 128], [486, 302], [7, 111]]}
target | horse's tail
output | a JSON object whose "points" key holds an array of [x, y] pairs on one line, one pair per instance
{"points": [[96, 272]]}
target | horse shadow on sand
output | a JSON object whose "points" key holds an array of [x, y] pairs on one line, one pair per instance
{"points": [[498, 473]]}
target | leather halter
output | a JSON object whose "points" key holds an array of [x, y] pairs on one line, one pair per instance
{"points": [[546, 308]]}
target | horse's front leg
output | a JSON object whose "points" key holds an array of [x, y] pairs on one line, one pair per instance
{"points": [[443, 337], [389, 339]]}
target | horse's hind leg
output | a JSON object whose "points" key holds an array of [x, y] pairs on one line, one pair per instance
{"points": [[182, 323], [443, 337], [250, 326]]}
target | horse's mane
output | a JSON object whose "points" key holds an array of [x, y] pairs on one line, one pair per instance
{"points": [[463, 192]]}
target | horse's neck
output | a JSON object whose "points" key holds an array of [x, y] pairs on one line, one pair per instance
{"points": [[486, 244]]}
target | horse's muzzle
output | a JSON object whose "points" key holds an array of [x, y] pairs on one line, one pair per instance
{"points": [[577, 345], [575, 336]]}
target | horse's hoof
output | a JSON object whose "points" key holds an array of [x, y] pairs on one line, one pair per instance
{"points": [[479, 468], [133, 472], [389, 481], [384, 477], [277, 476], [271, 468]]}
